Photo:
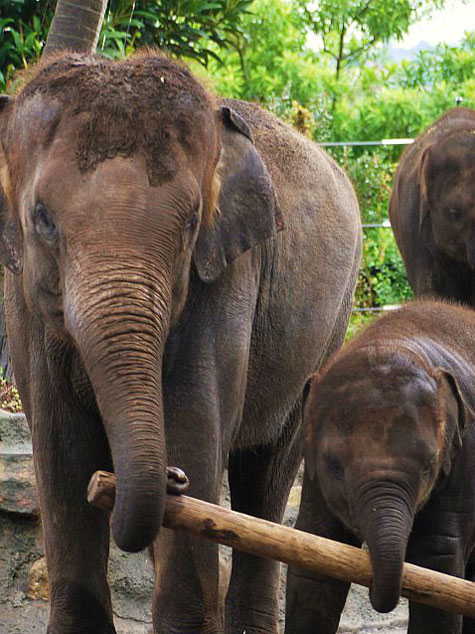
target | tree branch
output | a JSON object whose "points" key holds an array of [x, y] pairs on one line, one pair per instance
{"points": [[360, 49], [364, 9]]}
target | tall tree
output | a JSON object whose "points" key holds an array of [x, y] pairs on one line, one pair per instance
{"points": [[351, 29], [76, 25]]}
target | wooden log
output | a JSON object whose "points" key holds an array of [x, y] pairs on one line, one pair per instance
{"points": [[272, 541]]}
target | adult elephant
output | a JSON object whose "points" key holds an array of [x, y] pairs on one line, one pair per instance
{"points": [[177, 268], [432, 208]]}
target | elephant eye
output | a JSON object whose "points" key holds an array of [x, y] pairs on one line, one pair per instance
{"points": [[43, 223], [429, 469], [454, 214], [192, 222], [335, 468]]}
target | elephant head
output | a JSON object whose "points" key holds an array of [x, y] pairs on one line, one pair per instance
{"points": [[118, 179], [446, 175], [381, 429]]}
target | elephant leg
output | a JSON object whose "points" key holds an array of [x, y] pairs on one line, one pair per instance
{"points": [[441, 552], [314, 602], [260, 480], [426, 620], [186, 591], [204, 384], [187, 568], [66, 453]]}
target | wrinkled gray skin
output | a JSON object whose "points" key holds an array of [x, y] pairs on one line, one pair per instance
{"points": [[432, 208], [390, 459], [143, 334]]}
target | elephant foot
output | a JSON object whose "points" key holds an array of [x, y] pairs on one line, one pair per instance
{"points": [[187, 621], [185, 628], [251, 629], [252, 620]]}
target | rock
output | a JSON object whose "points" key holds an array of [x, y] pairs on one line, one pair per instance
{"points": [[295, 495], [293, 504], [20, 545], [17, 482], [37, 582], [131, 580], [14, 429]]}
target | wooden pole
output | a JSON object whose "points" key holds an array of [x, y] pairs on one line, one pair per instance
{"points": [[272, 541]]}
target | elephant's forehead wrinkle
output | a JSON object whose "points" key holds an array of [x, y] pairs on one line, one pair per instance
{"points": [[376, 406], [147, 104]]}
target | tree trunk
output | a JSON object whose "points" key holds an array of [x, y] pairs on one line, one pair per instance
{"points": [[76, 26]]}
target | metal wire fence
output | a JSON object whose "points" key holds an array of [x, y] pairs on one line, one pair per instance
{"points": [[385, 224]]}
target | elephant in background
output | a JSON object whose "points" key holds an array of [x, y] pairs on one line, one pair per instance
{"points": [[390, 459], [432, 208], [177, 266]]}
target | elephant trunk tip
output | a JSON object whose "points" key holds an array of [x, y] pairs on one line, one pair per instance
{"points": [[137, 516], [384, 602]]}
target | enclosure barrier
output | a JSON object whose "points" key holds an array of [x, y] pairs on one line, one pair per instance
{"points": [[373, 225], [273, 541], [351, 143]]}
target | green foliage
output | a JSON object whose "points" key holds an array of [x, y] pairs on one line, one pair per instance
{"points": [[271, 61], [350, 30], [358, 321], [185, 28], [9, 397], [23, 28], [401, 101], [382, 279], [371, 174], [452, 65]]}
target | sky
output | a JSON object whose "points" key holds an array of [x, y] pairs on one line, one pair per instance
{"points": [[447, 25]]}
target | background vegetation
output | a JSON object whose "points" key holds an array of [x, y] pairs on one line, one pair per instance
{"points": [[322, 66]]}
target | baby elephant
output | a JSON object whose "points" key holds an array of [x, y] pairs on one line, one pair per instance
{"points": [[390, 460]]}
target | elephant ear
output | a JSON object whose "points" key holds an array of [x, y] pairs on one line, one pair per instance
{"points": [[423, 195], [10, 241], [247, 211], [457, 412]]}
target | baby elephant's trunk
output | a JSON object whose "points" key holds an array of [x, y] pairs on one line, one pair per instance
{"points": [[385, 520]]}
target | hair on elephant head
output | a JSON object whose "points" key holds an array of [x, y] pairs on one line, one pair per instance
{"points": [[110, 193]]}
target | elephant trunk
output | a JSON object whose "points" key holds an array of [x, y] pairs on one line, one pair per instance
{"points": [[118, 318], [385, 520]]}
